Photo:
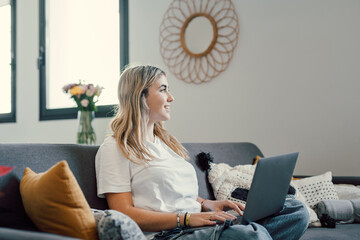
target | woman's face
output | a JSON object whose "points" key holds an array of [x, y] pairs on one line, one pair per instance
{"points": [[159, 100]]}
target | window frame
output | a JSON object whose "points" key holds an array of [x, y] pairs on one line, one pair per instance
{"points": [[11, 117], [71, 113]]}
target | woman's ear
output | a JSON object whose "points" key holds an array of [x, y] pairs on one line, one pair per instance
{"points": [[145, 92], [143, 102]]}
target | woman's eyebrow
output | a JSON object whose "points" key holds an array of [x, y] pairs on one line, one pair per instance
{"points": [[163, 85]]}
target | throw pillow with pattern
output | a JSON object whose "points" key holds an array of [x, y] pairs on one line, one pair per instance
{"points": [[112, 224]]}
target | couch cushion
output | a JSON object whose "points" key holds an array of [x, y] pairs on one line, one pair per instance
{"points": [[12, 213], [56, 204], [342, 231], [15, 234]]}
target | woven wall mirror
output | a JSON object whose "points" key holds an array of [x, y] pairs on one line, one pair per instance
{"points": [[198, 38], [198, 34]]}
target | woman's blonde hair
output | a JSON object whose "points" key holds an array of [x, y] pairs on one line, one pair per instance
{"points": [[131, 119]]}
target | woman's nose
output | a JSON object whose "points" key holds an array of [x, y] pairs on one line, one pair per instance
{"points": [[170, 97]]}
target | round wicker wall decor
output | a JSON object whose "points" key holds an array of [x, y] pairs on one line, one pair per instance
{"points": [[185, 63]]}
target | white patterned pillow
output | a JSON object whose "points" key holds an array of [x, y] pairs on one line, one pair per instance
{"points": [[232, 183], [316, 188], [112, 224]]}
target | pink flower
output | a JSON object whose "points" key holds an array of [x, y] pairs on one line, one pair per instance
{"points": [[91, 91], [84, 102], [98, 90]]}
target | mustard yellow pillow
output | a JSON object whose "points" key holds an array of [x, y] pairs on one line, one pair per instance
{"points": [[55, 202]]}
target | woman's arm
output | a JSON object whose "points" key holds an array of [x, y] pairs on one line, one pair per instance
{"points": [[147, 220], [151, 221]]}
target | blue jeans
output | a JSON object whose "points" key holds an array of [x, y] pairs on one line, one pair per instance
{"points": [[290, 223]]}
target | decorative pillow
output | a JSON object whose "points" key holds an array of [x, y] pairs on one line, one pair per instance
{"points": [[112, 224], [231, 183], [347, 191], [12, 213], [356, 205], [316, 188], [4, 170], [342, 211], [55, 203]]}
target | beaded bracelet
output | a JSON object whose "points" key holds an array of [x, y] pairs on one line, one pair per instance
{"points": [[178, 219], [187, 219], [202, 202]]}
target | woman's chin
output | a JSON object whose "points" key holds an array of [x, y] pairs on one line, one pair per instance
{"points": [[167, 118]]}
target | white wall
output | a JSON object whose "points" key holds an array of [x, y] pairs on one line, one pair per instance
{"points": [[291, 85]]}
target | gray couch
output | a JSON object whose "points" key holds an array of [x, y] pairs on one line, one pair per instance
{"points": [[40, 157]]}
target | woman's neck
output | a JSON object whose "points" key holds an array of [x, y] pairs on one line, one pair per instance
{"points": [[150, 133]]}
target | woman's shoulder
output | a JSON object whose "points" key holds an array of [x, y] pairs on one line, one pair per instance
{"points": [[109, 141], [110, 151], [109, 144]]}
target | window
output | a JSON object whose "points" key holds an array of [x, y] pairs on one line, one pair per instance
{"points": [[7, 60], [83, 40]]}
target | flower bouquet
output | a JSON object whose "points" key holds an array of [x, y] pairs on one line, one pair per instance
{"points": [[85, 96]]}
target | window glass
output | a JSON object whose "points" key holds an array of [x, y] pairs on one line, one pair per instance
{"points": [[82, 43], [5, 57]]}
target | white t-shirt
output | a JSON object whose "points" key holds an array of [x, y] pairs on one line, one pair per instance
{"points": [[167, 184]]}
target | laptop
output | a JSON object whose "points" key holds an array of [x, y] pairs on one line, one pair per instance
{"points": [[269, 187]]}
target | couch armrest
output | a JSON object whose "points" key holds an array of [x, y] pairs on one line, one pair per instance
{"points": [[15, 234]]}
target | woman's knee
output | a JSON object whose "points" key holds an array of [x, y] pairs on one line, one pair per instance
{"points": [[250, 231], [298, 210]]}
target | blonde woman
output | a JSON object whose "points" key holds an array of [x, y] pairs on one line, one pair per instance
{"points": [[142, 172]]}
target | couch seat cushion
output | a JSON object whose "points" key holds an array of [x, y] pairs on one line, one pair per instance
{"points": [[342, 231]]}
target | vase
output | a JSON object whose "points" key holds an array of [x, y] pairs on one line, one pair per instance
{"points": [[86, 134]]}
